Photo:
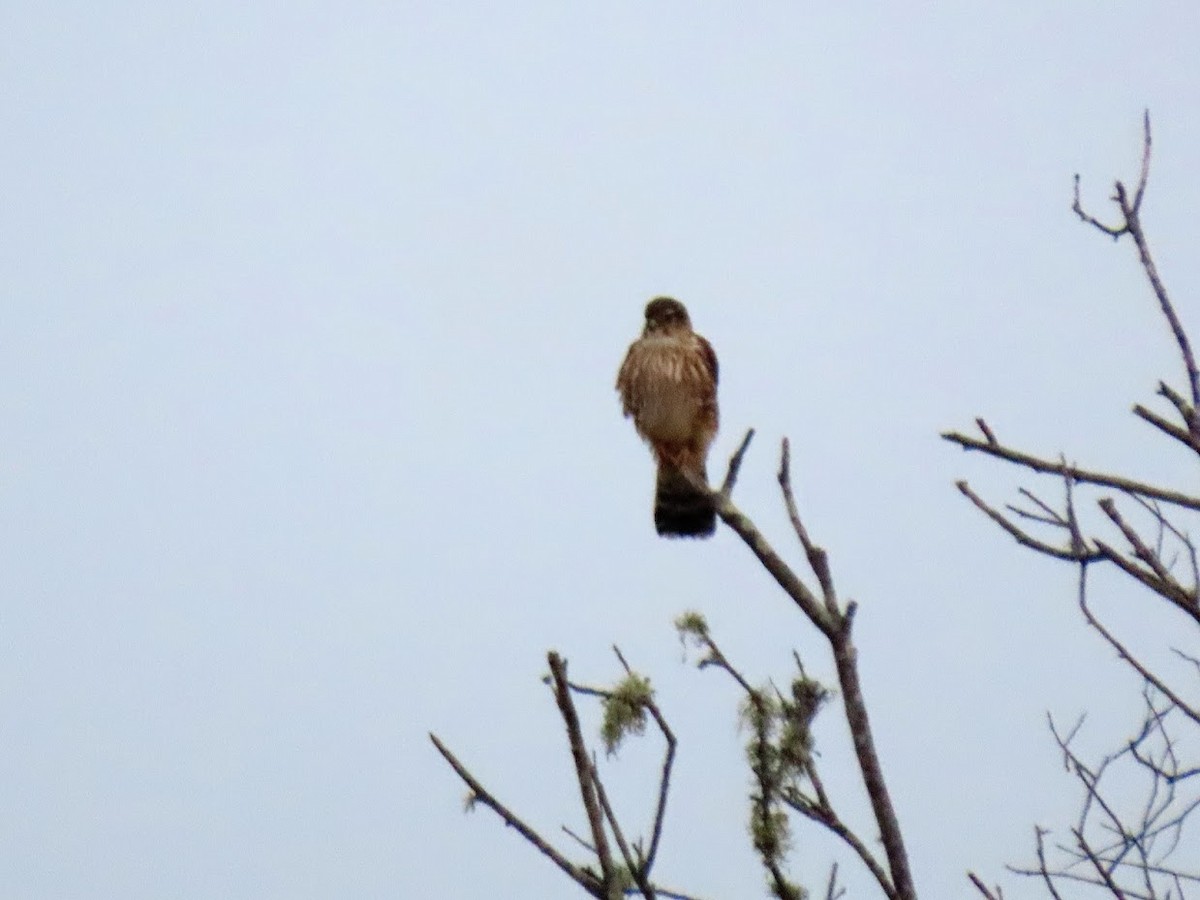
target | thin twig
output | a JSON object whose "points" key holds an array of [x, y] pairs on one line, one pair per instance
{"points": [[1085, 476], [1131, 213], [1187, 412], [618, 835], [771, 561], [480, 794], [1146, 578], [1051, 517], [1109, 848], [1183, 435], [1143, 552], [832, 891], [1113, 231], [1165, 304], [986, 429], [845, 657], [824, 814], [1045, 873], [735, 463], [983, 889], [577, 839], [1158, 579], [673, 895], [1128, 657], [1187, 658], [837, 629], [664, 787], [1144, 178], [664, 780], [1021, 536], [1166, 524], [817, 557], [1104, 874], [583, 769]]}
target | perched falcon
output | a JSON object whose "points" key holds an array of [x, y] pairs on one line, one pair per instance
{"points": [[668, 384]]}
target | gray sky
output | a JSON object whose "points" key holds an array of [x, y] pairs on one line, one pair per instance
{"points": [[310, 321]]}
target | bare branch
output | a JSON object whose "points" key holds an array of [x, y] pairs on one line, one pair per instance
{"points": [[1170, 429], [1134, 851], [618, 834], [673, 895], [817, 558], [837, 629], [1168, 586], [1187, 412], [1101, 869], [1121, 562], [735, 463], [983, 889], [771, 561], [1145, 176], [482, 795], [1051, 517], [1023, 537], [823, 813], [1114, 231], [845, 657], [583, 771], [986, 429], [664, 781], [1187, 658], [1131, 213], [664, 787], [1043, 871], [832, 891], [1164, 301], [1159, 580], [1128, 657], [1120, 855], [1082, 476], [1165, 524], [577, 839]]}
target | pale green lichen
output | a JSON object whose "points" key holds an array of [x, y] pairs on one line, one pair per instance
{"points": [[625, 710], [692, 625]]}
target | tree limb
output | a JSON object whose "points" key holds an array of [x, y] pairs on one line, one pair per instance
{"points": [[1082, 476], [837, 627], [482, 795], [584, 774]]}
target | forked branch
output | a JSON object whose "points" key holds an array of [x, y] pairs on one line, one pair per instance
{"points": [[611, 876], [1131, 224], [1044, 465], [1115, 852], [836, 625], [480, 794]]}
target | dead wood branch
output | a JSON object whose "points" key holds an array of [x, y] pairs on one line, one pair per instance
{"points": [[836, 625], [1111, 849], [609, 877]]}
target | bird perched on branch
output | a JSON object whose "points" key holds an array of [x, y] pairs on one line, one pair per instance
{"points": [[668, 385]]}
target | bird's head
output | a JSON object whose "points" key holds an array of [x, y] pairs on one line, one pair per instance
{"points": [[665, 314]]}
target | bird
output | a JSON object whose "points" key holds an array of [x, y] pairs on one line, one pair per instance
{"points": [[668, 386]]}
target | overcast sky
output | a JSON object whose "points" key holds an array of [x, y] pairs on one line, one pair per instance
{"points": [[310, 318]]}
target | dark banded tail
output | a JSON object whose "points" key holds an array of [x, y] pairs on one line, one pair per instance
{"points": [[679, 509]]}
